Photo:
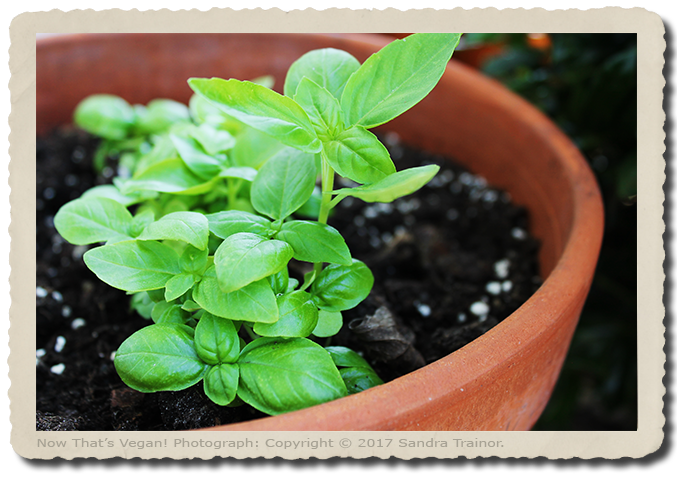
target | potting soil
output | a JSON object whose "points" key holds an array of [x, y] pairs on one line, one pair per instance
{"points": [[450, 262]]}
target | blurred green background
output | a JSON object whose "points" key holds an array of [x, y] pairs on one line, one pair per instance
{"points": [[587, 84]]}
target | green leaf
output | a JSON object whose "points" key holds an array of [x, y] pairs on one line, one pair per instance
{"points": [[284, 183], [163, 149], [189, 227], [359, 379], [216, 340], [279, 281], [159, 114], [142, 304], [253, 148], [178, 285], [104, 115], [346, 357], [110, 191], [358, 155], [282, 375], [159, 358], [396, 78], [220, 383], [298, 317], [393, 186], [92, 220], [171, 176], [213, 140], [342, 287], [134, 266], [328, 67], [315, 242], [328, 323], [357, 373], [224, 224], [322, 108], [204, 112], [246, 173], [166, 313], [193, 260], [261, 108], [244, 257], [201, 164], [141, 220], [254, 302]]}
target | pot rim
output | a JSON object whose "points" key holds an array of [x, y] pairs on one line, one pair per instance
{"points": [[575, 265]]}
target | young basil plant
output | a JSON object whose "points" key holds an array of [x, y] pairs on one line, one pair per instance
{"points": [[220, 201]]}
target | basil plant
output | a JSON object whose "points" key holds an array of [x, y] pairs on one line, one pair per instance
{"points": [[213, 201]]}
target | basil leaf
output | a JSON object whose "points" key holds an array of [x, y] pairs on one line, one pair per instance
{"points": [[216, 340], [159, 358], [397, 77], [178, 285], [224, 224], [346, 357], [253, 148], [105, 115], [189, 227], [359, 379], [166, 313], [279, 281], [261, 108], [342, 287], [358, 155], [323, 109], [110, 191], [162, 149], [92, 220], [298, 317], [328, 67], [171, 176], [284, 183], [133, 266], [254, 302], [393, 186], [140, 221], [204, 112], [193, 260], [357, 373], [328, 323], [200, 163], [211, 139], [282, 375], [244, 257], [315, 242], [142, 304], [159, 114], [246, 173], [220, 383]]}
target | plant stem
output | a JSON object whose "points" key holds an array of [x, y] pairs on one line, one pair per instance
{"points": [[249, 331], [327, 189], [325, 204], [233, 188]]}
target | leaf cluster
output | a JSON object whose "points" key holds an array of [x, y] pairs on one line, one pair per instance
{"points": [[210, 206]]}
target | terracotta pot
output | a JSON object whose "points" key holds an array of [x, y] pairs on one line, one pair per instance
{"points": [[500, 381]]}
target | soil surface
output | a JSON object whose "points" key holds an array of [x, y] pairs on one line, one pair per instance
{"points": [[450, 262]]}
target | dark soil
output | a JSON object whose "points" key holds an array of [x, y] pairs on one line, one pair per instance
{"points": [[450, 262]]}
